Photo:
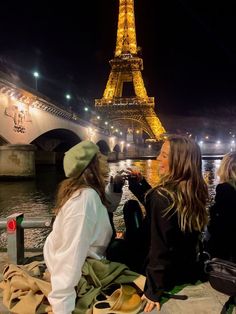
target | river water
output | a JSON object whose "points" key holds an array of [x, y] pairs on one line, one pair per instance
{"points": [[35, 198]]}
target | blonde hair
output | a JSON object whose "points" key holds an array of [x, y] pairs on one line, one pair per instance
{"points": [[227, 169], [184, 184], [91, 177]]}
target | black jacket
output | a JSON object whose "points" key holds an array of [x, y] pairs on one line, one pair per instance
{"points": [[222, 225], [171, 253]]}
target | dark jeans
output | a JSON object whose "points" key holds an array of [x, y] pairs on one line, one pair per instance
{"points": [[130, 250]]}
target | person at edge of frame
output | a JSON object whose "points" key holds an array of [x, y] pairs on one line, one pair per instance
{"points": [[221, 228]]}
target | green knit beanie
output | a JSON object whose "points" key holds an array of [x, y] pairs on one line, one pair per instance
{"points": [[78, 158]]}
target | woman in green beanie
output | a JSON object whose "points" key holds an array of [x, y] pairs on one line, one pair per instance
{"points": [[81, 228]]}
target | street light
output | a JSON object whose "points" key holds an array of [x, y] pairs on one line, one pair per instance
{"points": [[36, 75], [68, 98]]}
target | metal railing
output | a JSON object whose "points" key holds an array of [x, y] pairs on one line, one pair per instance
{"points": [[15, 225]]}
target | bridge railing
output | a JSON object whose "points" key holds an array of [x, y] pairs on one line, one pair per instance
{"points": [[25, 94], [15, 225]]}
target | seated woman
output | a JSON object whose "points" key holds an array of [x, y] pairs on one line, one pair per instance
{"points": [[175, 216], [221, 227], [81, 228]]}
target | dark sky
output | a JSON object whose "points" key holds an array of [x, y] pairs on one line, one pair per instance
{"points": [[188, 49]]}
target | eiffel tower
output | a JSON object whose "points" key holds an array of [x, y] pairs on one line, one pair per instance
{"points": [[133, 112]]}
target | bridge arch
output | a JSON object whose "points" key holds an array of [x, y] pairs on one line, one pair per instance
{"points": [[104, 147], [117, 148], [58, 140], [52, 145]]}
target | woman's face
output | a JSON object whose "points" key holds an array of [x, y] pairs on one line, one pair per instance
{"points": [[104, 168], [163, 159]]}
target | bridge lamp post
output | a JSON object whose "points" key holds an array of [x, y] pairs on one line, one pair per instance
{"points": [[232, 145], [68, 98], [36, 76], [122, 146]]}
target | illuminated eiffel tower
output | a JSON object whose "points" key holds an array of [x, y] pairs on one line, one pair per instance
{"points": [[133, 112]]}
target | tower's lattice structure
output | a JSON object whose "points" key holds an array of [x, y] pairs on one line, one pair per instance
{"points": [[125, 101]]}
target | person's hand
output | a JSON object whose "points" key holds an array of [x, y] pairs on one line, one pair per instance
{"points": [[149, 304], [134, 174], [118, 182], [119, 179]]}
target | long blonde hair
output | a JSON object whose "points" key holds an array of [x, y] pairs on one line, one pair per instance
{"points": [[91, 177], [184, 184], [227, 169]]}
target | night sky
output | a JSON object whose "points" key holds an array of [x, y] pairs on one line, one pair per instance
{"points": [[188, 49]]}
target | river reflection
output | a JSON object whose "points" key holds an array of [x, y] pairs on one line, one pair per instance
{"points": [[35, 198]]}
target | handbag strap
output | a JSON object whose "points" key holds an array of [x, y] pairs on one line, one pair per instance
{"points": [[202, 255]]}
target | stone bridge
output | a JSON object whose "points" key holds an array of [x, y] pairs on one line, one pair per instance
{"points": [[33, 129]]}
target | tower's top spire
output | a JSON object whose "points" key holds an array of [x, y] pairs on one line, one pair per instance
{"points": [[126, 34]]}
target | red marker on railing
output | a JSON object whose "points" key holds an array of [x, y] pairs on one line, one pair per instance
{"points": [[11, 226]]}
